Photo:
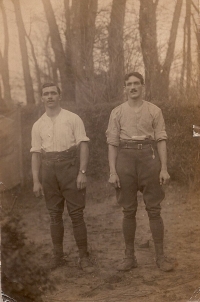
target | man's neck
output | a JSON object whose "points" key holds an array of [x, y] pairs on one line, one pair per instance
{"points": [[135, 103], [53, 112]]}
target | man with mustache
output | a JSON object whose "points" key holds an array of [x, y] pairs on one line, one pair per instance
{"points": [[56, 137], [137, 155]]}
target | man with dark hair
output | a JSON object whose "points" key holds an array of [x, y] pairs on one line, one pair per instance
{"points": [[56, 136], [137, 155]]}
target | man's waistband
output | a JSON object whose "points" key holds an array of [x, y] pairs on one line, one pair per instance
{"points": [[128, 144], [67, 154]]}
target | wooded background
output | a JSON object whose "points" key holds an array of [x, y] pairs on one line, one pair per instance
{"points": [[87, 46]]}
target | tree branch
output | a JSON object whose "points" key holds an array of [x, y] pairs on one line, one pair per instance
{"points": [[156, 3], [195, 7], [173, 34]]}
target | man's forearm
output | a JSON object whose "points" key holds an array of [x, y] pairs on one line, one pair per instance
{"points": [[84, 155], [36, 164], [162, 152], [112, 157]]}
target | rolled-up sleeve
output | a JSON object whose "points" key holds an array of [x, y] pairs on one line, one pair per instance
{"points": [[159, 127], [113, 130], [36, 142], [79, 131]]}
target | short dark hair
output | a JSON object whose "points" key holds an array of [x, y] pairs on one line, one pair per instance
{"points": [[50, 84], [135, 74]]}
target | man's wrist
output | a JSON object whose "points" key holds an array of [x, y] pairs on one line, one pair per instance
{"points": [[113, 173], [36, 181], [82, 171], [164, 169]]}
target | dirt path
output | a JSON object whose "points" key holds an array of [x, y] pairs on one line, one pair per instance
{"points": [[145, 283]]}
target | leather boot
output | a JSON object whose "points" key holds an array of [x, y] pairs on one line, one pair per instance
{"points": [[84, 262], [128, 262], [58, 257], [164, 263]]}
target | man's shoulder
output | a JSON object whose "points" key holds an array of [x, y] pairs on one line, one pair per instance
{"points": [[117, 110], [41, 119], [152, 107], [69, 114]]}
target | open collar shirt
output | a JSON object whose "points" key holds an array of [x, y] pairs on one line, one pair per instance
{"points": [[127, 123], [65, 131]]}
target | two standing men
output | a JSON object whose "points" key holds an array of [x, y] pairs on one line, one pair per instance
{"points": [[134, 128]]}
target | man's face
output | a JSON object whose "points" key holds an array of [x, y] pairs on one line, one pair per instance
{"points": [[50, 97], [133, 88]]}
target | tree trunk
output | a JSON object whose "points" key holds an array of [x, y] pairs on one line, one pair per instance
{"points": [[37, 69], [4, 59], [148, 37], [164, 84], [184, 60], [88, 11], [198, 50], [83, 16], [116, 50], [71, 75], [58, 50], [1, 97], [156, 75], [189, 63], [24, 53]]}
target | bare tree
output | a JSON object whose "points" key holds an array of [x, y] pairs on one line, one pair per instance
{"points": [[2, 104], [68, 51], [157, 75], [83, 16], [189, 60], [4, 70], [184, 59], [24, 53], [37, 69], [58, 50], [197, 33], [115, 49]]}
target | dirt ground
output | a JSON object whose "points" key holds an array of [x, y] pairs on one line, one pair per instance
{"points": [[180, 211]]}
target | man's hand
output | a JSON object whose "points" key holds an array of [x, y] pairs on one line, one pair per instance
{"points": [[37, 189], [81, 181], [164, 177], [114, 180]]}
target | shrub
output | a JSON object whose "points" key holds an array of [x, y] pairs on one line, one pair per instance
{"points": [[22, 277]]}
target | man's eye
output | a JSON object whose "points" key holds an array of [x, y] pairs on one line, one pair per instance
{"points": [[54, 93]]}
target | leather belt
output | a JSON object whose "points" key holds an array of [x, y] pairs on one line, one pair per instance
{"points": [[54, 156], [136, 145]]}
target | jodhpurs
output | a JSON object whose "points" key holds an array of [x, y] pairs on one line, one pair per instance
{"points": [[138, 170], [59, 174]]}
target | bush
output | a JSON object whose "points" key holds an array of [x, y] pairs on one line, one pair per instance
{"points": [[22, 277]]}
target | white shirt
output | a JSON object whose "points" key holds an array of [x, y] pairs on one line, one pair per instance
{"points": [[65, 131]]}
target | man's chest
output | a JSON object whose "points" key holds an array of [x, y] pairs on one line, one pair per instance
{"points": [[134, 119], [56, 129]]}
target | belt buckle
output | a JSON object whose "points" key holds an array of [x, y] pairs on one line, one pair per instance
{"points": [[139, 146]]}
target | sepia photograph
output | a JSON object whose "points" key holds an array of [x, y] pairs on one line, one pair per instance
{"points": [[100, 150]]}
